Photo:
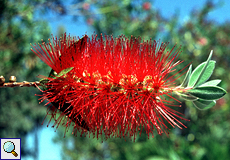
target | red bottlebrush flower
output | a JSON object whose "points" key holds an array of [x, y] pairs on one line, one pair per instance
{"points": [[113, 86]]}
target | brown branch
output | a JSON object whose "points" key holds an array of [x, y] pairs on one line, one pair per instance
{"points": [[20, 84], [12, 83]]}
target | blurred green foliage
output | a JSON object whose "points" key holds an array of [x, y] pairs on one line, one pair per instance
{"points": [[20, 112]]}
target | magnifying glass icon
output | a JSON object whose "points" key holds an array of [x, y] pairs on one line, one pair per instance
{"points": [[9, 147]]}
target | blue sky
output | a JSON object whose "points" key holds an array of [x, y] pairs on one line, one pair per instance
{"points": [[184, 7], [167, 8]]}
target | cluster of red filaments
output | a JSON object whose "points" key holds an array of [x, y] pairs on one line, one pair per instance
{"points": [[117, 87]]}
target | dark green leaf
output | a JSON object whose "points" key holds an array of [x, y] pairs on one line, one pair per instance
{"points": [[208, 92], [202, 104], [44, 81], [202, 72]]}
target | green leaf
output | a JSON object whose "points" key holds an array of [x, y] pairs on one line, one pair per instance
{"points": [[211, 83], [202, 72], [43, 82], [187, 77], [208, 92], [187, 96], [203, 104], [64, 71], [54, 75]]}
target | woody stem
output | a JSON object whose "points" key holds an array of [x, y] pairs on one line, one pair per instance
{"points": [[20, 84]]}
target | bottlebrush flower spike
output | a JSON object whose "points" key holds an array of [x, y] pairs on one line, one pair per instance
{"points": [[111, 86]]}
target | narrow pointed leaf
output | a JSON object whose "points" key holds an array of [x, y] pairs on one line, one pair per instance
{"points": [[187, 77], [202, 72], [211, 83], [53, 75], [208, 92], [202, 104], [64, 71], [187, 96]]}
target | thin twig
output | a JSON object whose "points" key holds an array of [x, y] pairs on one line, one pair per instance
{"points": [[20, 84]]}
